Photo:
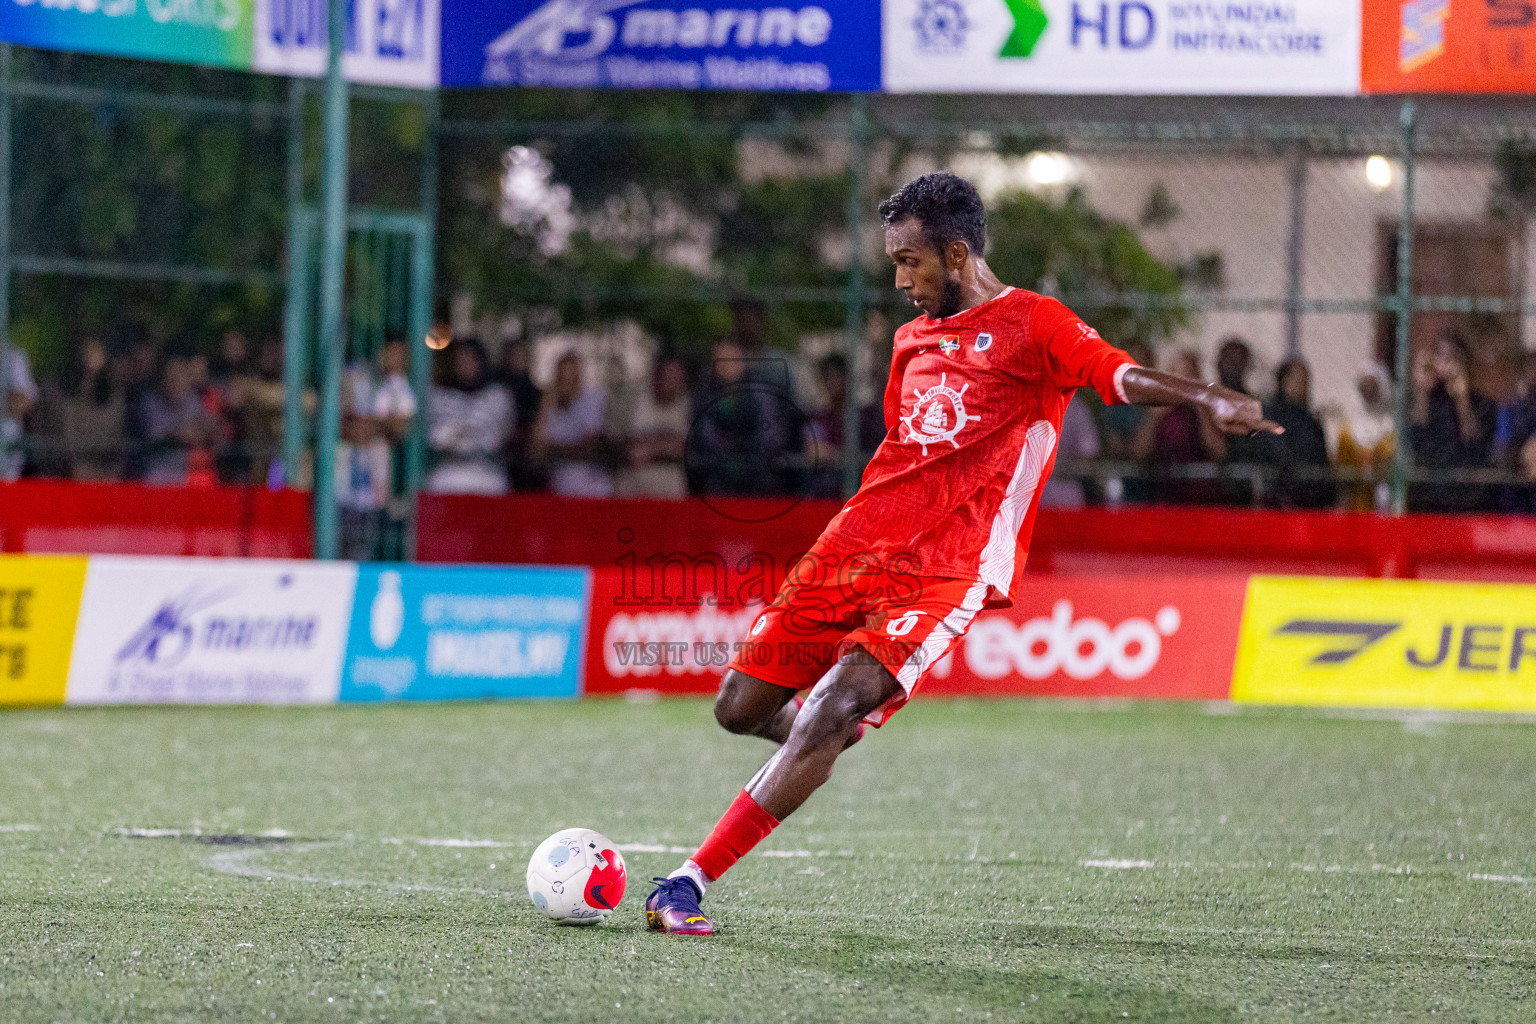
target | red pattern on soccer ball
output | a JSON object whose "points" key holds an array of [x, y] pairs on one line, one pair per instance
{"points": [[605, 885]]}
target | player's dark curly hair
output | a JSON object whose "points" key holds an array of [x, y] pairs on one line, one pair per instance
{"points": [[946, 205]]}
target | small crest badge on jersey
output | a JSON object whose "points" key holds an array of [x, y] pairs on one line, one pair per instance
{"points": [[950, 345], [983, 341]]}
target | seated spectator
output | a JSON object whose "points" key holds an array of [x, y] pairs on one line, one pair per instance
{"points": [[568, 435], [516, 375], [393, 404], [1178, 437], [658, 435], [1367, 438], [363, 486], [749, 435], [469, 422], [20, 396], [1122, 434], [1304, 443], [1234, 361], [1079, 443], [260, 412], [826, 427], [229, 379], [90, 412], [1514, 427], [178, 429], [136, 372], [1451, 426]]}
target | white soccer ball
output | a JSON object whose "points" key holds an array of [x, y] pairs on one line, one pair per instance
{"points": [[576, 877]]}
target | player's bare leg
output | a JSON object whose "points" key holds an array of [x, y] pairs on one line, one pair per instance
{"points": [[750, 707], [830, 721]]}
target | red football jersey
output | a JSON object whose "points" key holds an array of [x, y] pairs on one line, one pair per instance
{"points": [[973, 410]]}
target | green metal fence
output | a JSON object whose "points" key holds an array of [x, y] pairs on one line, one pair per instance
{"points": [[1317, 254]]}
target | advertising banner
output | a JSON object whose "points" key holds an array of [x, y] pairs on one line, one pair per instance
{"points": [[1387, 643], [1164, 637], [217, 32], [427, 633], [1289, 47], [674, 638], [1154, 637], [828, 45], [210, 631], [389, 42], [39, 601], [1440, 46]]}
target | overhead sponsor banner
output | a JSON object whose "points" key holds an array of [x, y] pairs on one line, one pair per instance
{"points": [[389, 42], [1388, 643], [1157, 637], [39, 601], [427, 633], [1441, 46], [218, 32], [820, 46], [210, 631], [1287, 47]]}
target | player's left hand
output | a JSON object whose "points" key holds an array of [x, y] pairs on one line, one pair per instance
{"points": [[1236, 413]]}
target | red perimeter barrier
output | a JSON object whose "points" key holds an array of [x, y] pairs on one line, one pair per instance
{"points": [[62, 516], [1137, 541], [48, 516]]}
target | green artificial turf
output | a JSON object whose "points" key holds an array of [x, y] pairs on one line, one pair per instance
{"points": [[1008, 861]]}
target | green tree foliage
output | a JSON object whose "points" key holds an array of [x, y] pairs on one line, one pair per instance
{"points": [[1098, 265], [659, 166], [118, 183]]}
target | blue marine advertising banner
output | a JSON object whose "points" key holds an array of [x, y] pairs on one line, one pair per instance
{"points": [[428, 633], [825, 45]]}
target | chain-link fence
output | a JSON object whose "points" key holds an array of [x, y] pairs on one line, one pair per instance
{"points": [[620, 227], [1273, 231]]}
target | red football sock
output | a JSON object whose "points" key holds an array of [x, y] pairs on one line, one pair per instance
{"points": [[742, 827]]}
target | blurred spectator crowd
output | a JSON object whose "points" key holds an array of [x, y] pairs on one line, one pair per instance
{"points": [[740, 422]]}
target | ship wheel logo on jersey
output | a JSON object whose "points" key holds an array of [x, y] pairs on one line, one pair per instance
{"points": [[938, 415]]}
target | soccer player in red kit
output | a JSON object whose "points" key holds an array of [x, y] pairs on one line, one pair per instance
{"points": [[940, 525]]}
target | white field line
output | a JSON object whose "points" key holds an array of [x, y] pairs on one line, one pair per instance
{"points": [[177, 833], [21, 828], [1116, 865], [475, 844], [1026, 918], [235, 862]]}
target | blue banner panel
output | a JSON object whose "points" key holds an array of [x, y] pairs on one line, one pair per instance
{"points": [[428, 633], [833, 45]]}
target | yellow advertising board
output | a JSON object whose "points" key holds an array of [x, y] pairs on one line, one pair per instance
{"points": [[1387, 643], [39, 603]]}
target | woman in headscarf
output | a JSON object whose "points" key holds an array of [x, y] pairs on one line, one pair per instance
{"points": [[1367, 435], [1302, 446]]}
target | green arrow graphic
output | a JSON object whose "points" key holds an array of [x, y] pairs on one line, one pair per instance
{"points": [[1029, 22]]}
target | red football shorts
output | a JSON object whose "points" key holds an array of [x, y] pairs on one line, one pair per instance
{"points": [[907, 622]]}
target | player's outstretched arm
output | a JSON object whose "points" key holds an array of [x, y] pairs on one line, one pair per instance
{"points": [[1232, 411]]}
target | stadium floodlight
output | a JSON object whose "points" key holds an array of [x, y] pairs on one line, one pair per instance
{"points": [[1378, 173], [1045, 168]]}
